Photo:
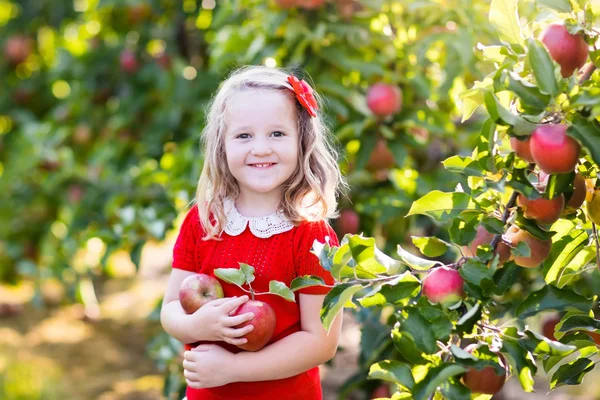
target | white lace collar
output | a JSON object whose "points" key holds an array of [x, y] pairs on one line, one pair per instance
{"points": [[262, 227]]}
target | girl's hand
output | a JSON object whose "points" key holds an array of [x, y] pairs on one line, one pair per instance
{"points": [[215, 322], [208, 365]]}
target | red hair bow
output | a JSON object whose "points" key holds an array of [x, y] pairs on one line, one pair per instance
{"points": [[304, 94]]}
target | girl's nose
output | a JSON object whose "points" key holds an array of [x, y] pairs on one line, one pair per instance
{"points": [[261, 147]]}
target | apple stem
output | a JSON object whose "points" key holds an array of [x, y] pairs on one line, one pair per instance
{"points": [[251, 293], [597, 244]]}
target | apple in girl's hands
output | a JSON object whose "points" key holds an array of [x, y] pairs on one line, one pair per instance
{"points": [[197, 290], [263, 322]]}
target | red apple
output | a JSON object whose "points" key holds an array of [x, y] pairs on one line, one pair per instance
{"points": [[197, 290], [548, 327], [310, 4], [522, 148], [544, 211], [347, 222], [381, 157], [75, 193], [540, 249], [17, 49], [569, 51], [138, 13], [286, 4], [485, 380], [483, 236], [443, 285], [381, 391], [264, 324], [553, 150], [129, 62], [384, 100]]}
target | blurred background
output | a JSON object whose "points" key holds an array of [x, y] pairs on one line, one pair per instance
{"points": [[101, 109]]}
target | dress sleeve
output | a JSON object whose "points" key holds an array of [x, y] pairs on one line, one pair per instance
{"points": [[307, 263], [184, 251]]}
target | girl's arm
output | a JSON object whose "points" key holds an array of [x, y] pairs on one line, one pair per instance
{"points": [[296, 353]]}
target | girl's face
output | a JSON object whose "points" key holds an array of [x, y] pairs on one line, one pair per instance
{"points": [[261, 141]]}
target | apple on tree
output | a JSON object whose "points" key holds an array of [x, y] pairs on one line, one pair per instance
{"points": [[444, 285], [522, 148], [347, 222], [483, 236], [553, 150], [197, 290], [544, 211], [485, 380], [568, 50], [540, 249], [384, 100]]}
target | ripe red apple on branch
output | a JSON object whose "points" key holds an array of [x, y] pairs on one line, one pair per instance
{"points": [[347, 222], [17, 48], [553, 150], [540, 249], [483, 236], [522, 148], [568, 50], [485, 380], [544, 211], [444, 285], [384, 100]]}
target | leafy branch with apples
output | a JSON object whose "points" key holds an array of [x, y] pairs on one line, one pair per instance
{"points": [[516, 220]]}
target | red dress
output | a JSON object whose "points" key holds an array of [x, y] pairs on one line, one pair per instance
{"points": [[282, 256]]}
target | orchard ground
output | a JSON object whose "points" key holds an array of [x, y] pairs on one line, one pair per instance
{"points": [[106, 360]]}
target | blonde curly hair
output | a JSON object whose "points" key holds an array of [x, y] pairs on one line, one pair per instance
{"points": [[311, 191]]}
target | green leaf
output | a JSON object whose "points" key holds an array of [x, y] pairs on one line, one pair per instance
{"points": [[366, 255], [434, 378], [552, 298], [396, 291], [463, 165], [580, 322], [280, 289], [571, 373], [419, 329], [415, 262], [502, 116], [431, 246], [392, 371], [558, 5], [441, 206], [231, 275], [335, 301], [340, 260], [505, 19], [519, 358], [529, 93], [541, 345], [566, 245], [587, 133], [323, 252], [466, 323], [305, 281], [407, 347], [248, 272], [543, 68]]}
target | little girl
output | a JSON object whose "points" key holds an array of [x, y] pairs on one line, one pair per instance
{"points": [[269, 183]]}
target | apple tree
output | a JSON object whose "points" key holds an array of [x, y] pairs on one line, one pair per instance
{"points": [[525, 245]]}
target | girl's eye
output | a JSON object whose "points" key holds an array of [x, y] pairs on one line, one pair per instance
{"points": [[243, 136], [278, 134]]}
